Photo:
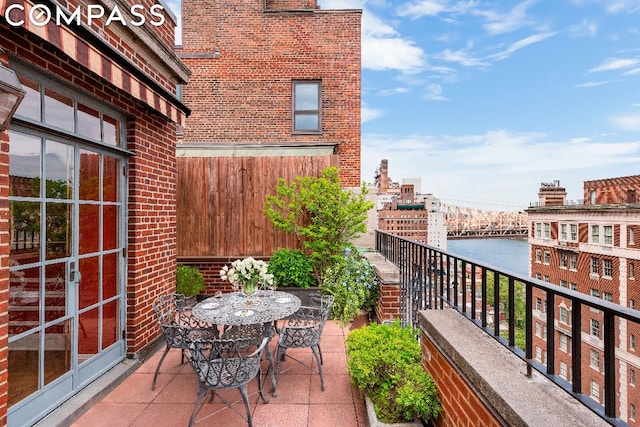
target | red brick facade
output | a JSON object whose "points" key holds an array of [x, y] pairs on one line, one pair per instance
{"points": [[592, 249], [612, 190], [244, 59], [134, 75], [461, 405]]}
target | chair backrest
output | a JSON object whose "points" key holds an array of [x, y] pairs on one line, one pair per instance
{"points": [[226, 363], [177, 323]]}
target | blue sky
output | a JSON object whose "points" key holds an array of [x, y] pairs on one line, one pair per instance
{"points": [[484, 100]]}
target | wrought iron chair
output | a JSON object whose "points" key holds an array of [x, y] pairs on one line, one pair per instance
{"points": [[224, 364], [304, 329], [176, 324]]}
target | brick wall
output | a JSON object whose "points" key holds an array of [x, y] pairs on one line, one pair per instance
{"points": [[624, 189], [151, 239], [245, 95], [461, 405]]}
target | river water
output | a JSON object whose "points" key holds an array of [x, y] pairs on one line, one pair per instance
{"points": [[506, 254]]}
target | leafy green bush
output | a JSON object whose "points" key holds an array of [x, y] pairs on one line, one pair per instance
{"points": [[385, 361], [291, 268], [322, 215], [189, 280], [354, 284]]}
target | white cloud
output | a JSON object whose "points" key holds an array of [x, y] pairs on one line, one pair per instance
{"points": [[434, 93], [513, 47], [516, 18], [462, 57], [613, 64], [392, 53], [497, 162], [585, 28], [592, 84], [394, 91], [629, 122], [421, 8], [367, 114]]}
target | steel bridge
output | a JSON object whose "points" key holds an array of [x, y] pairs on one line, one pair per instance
{"points": [[469, 223]]}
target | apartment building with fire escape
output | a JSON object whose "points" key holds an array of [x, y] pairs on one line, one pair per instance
{"points": [[592, 248]]}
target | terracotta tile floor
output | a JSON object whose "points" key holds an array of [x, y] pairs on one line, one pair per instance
{"points": [[299, 401]]}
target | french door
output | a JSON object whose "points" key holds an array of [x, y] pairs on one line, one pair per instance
{"points": [[66, 299]]}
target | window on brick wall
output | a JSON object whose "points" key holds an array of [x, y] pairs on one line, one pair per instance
{"points": [[538, 255], [573, 262], [564, 372], [607, 268], [564, 318], [563, 260], [595, 265], [632, 412], [563, 232], [632, 377], [564, 342], [608, 234], [307, 102], [547, 257], [632, 270], [595, 391], [594, 359], [595, 234], [632, 342], [595, 328]]}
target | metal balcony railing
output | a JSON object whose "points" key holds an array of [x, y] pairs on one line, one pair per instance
{"points": [[434, 279]]}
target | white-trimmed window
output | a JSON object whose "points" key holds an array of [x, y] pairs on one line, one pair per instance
{"points": [[538, 354], [595, 391], [607, 296], [632, 304], [594, 359], [595, 292], [574, 232], [632, 342], [607, 268], [564, 235], [632, 377], [573, 262], [573, 286], [307, 103], [563, 260], [538, 330], [595, 266], [563, 283], [546, 230], [547, 257], [595, 328], [564, 371], [608, 234], [538, 255], [595, 234], [632, 270], [632, 236], [564, 315], [564, 342], [632, 412], [538, 230]]}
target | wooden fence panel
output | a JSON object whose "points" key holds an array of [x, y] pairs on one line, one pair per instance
{"points": [[221, 202]]}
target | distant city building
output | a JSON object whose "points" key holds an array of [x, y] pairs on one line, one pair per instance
{"points": [[593, 248], [404, 212]]}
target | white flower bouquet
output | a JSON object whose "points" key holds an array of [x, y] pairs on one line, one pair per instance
{"points": [[247, 274]]}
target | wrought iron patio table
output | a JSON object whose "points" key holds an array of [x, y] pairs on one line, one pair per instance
{"points": [[236, 309]]}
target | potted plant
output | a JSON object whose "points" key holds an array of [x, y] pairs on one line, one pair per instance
{"points": [[354, 284], [247, 275], [322, 215], [385, 362], [189, 282], [292, 271]]}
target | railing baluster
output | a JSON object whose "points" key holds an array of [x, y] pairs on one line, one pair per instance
{"points": [[512, 312], [576, 346], [609, 364], [551, 327], [483, 295]]}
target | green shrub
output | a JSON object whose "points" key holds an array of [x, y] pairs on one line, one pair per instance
{"points": [[385, 361], [291, 268], [189, 280], [354, 284]]}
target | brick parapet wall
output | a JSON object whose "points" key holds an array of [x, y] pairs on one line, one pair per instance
{"points": [[482, 383], [388, 307]]}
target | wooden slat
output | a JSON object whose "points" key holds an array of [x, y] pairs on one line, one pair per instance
{"points": [[221, 202]]}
